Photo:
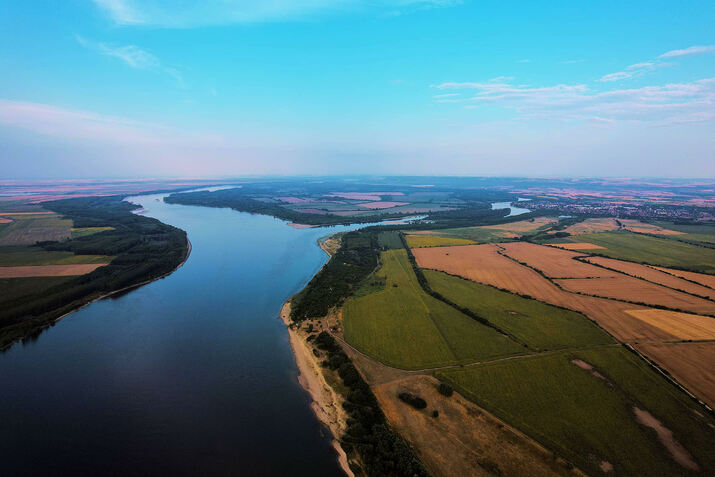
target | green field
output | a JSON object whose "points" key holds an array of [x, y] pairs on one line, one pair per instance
{"points": [[587, 419], [540, 326], [476, 234], [650, 250], [417, 241], [82, 231], [404, 327], [694, 233], [23, 255]]}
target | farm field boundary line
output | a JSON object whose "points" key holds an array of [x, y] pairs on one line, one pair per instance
{"points": [[428, 290], [583, 260], [664, 270], [474, 363], [503, 252], [669, 377]]}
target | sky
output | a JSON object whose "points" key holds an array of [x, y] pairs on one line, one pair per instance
{"points": [[225, 88]]}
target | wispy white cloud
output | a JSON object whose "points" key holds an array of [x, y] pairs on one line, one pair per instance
{"points": [[572, 62], [635, 70], [525, 60], [692, 50], [132, 56], [194, 13], [660, 105], [640, 69]]}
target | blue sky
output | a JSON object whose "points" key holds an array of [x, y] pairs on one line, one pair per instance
{"points": [[127, 88]]}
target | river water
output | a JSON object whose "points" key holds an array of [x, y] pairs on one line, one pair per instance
{"points": [[188, 375]]}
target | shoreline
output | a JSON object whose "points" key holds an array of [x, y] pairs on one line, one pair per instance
{"points": [[106, 295], [326, 403]]}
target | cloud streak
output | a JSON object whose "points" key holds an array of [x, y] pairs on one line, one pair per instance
{"points": [[132, 56], [658, 105], [196, 13], [690, 51]]}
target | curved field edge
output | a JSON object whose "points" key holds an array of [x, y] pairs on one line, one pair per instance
{"points": [[540, 325], [404, 327], [144, 249], [589, 418]]}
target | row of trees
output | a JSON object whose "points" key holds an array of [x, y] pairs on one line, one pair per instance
{"points": [[352, 263], [382, 451]]}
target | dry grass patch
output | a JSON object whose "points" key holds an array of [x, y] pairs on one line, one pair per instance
{"points": [[553, 262], [464, 439], [523, 225], [632, 289], [689, 363], [683, 325], [653, 275], [592, 226], [49, 270]]}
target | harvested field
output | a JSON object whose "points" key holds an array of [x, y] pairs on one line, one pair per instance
{"points": [[416, 241], [483, 263], [523, 225], [689, 363], [576, 246], [653, 275], [49, 270], [464, 440], [644, 228], [592, 226], [632, 289], [381, 204], [683, 325], [701, 278], [362, 195], [553, 262]]}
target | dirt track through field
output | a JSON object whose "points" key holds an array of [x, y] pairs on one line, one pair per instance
{"points": [[49, 270]]}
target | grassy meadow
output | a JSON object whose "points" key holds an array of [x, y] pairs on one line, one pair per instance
{"points": [[590, 419], [404, 327], [537, 324]]}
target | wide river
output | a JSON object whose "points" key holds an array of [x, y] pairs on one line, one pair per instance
{"points": [[188, 375]]}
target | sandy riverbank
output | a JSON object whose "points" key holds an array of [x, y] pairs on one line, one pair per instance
{"points": [[326, 402]]}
